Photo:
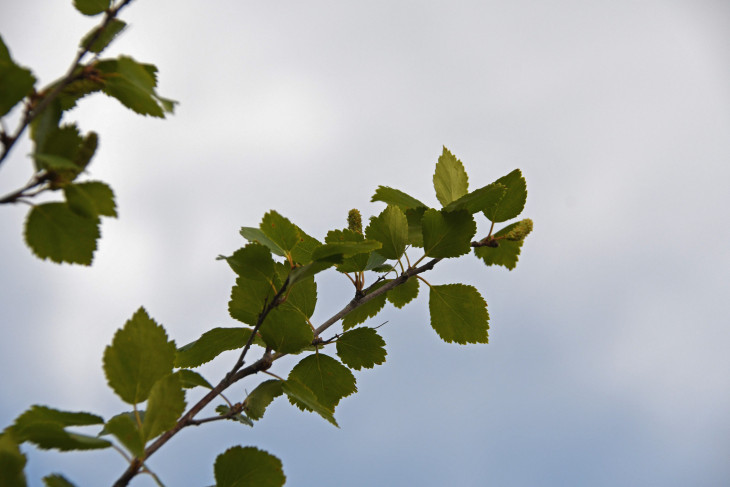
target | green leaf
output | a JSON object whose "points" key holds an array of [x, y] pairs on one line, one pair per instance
{"points": [[164, 406], [309, 270], [375, 263], [361, 347], [105, 37], [56, 480], [59, 150], [479, 200], [190, 379], [256, 403], [447, 233], [390, 228], [286, 330], [280, 230], [256, 235], [224, 410], [514, 198], [45, 427], [404, 293], [459, 314], [327, 378], [138, 357], [302, 297], [253, 262], [302, 396], [248, 467], [15, 82], [90, 199], [53, 231], [305, 247], [248, 299], [415, 229], [395, 197], [45, 124], [53, 162], [450, 180], [133, 84], [365, 311], [12, 463], [354, 263], [125, 428], [91, 7], [211, 344], [344, 249], [509, 245]]}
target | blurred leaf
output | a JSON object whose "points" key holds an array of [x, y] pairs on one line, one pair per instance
{"points": [[248, 467], [91, 199], [481, 199], [91, 7], [45, 427], [124, 427], [45, 124], [256, 403], [327, 378], [450, 180], [12, 463], [112, 29], [395, 197], [403, 294], [459, 314], [365, 311], [514, 198], [165, 405], [54, 231], [211, 344], [15, 82], [139, 356], [60, 149], [303, 397], [447, 233], [390, 228], [237, 417], [375, 263], [361, 347], [190, 379], [56, 480], [133, 84], [507, 252]]}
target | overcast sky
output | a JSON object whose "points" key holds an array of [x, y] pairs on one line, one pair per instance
{"points": [[608, 358]]}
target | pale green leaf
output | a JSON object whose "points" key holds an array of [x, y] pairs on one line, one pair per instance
{"points": [[479, 200], [190, 379], [459, 313], [256, 235], [390, 228], [280, 230], [513, 202], [361, 347], [45, 427], [447, 233], [125, 428], [450, 180], [248, 467], [509, 245], [105, 37], [395, 197], [415, 229], [165, 405]]}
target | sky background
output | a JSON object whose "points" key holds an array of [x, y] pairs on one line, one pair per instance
{"points": [[608, 358]]}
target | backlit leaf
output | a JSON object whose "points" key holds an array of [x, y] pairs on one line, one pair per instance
{"points": [[286, 330], [15, 82], [366, 310], [303, 397], [361, 347], [190, 379], [450, 180], [133, 84], [256, 235], [56, 480], [107, 35], [390, 228], [53, 231], [415, 229], [211, 344], [256, 403], [248, 467], [91, 7], [327, 378], [514, 198], [507, 252], [395, 197], [165, 405], [12, 463], [253, 262], [345, 249], [459, 313], [233, 415], [353, 263], [305, 247], [447, 233], [90, 199], [280, 230], [124, 427], [481, 199], [403, 294], [45, 427], [248, 299], [139, 355]]}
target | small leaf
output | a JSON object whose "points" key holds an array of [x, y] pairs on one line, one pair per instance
{"points": [[211, 344], [107, 35], [124, 427], [165, 405], [56, 480], [447, 233], [248, 467], [15, 82], [12, 463], [224, 410], [507, 252], [90, 199], [459, 314], [327, 378], [45, 427], [404, 293], [514, 198], [190, 379], [366, 310], [395, 197], [256, 403], [138, 357], [91, 7], [361, 347], [303, 397], [450, 180], [479, 200], [390, 228], [53, 231]]}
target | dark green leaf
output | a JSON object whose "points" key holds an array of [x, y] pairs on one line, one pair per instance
{"points": [[91, 7], [447, 233], [361, 347], [45, 427], [164, 406], [107, 35], [365, 311], [248, 299], [404, 293], [354, 263], [479, 200], [280, 230], [514, 198], [256, 403], [256, 235], [303, 397], [395, 197], [253, 262], [60, 149], [56, 480], [211, 344], [459, 314], [12, 463], [53, 231], [327, 378], [190, 379], [390, 228], [375, 263], [302, 297], [309, 270], [133, 84], [90, 199], [15, 82], [415, 229], [450, 180], [305, 247], [87, 149], [231, 414], [286, 330], [507, 252], [248, 467], [125, 428], [344, 249], [45, 124], [138, 357]]}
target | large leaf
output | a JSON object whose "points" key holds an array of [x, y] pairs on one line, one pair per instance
{"points": [[54, 231], [139, 355], [15, 82], [403, 294], [459, 313], [12, 463], [361, 347], [91, 199], [256, 403], [248, 299], [46, 428], [326, 377], [305, 399], [286, 330], [447, 233], [514, 198], [481, 199], [302, 297], [366, 310], [125, 428], [508, 249], [390, 228], [305, 247], [211, 344], [164, 406], [395, 197], [248, 467], [252, 262], [91, 7], [450, 180]]}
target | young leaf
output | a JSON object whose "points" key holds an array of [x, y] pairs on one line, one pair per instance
{"points": [[91, 7], [395, 197], [365, 311], [390, 228], [248, 299], [303, 397], [53, 231], [138, 357], [480, 199], [507, 252], [450, 180], [327, 378], [248, 467], [190, 379], [403, 294], [124, 427], [45, 427], [253, 262], [56, 480], [459, 314], [447, 233], [12, 463], [16, 82], [514, 198], [256, 403], [286, 330], [104, 38], [211, 344], [90, 199], [224, 410], [361, 347], [165, 405]]}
